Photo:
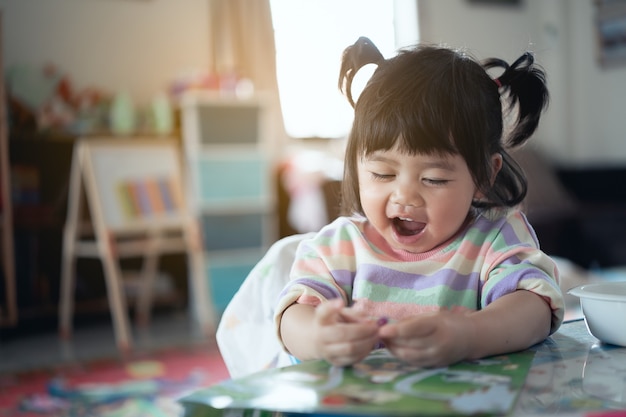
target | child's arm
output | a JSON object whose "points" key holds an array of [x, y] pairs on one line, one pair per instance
{"points": [[511, 323], [329, 331]]}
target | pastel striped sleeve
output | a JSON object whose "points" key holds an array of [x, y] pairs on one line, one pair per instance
{"points": [[516, 263], [312, 279], [527, 270]]}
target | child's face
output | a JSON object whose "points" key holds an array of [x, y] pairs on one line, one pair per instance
{"points": [[416, 202]]}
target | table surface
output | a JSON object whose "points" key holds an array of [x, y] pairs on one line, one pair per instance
{"points": [[572, 375]]}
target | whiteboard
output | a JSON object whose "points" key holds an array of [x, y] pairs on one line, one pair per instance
{"points": [[135, 183]]}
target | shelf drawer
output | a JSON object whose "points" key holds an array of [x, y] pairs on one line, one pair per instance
{"points": [[233, 231], [228, 124], [227, 275], [224, 179]]}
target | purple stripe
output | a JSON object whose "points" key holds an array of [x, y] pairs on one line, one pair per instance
{"points": [[485, 225], [530, 229], [504, 287], [506, 229], [344, 278], [509, 283], [378, 274], [510, 237], [325, 290], [328, 232]]}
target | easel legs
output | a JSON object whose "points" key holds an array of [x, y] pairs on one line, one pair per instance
{"points": [[66, 298], [117, 303], [200, 297], [115, 294], [148, 278]]}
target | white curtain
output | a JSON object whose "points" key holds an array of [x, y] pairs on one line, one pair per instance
{"points": [[242, 41]]}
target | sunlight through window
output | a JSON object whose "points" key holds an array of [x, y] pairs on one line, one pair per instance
{"points": [[310, 37]]}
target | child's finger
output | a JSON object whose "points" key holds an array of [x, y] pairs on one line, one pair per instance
{"points": [[350, 315], [417, 327], [328, 311]]}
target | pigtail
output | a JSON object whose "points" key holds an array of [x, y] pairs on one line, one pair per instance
{"points": [[355, 57], [526, 87]]}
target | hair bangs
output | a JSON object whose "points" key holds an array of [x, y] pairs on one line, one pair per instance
{"points": [[416, 121]]}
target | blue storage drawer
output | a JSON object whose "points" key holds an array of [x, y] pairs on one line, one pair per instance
{"points": [[223, 178], [233, 231], [225, 278]]}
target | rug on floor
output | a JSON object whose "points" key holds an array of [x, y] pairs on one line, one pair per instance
{"points": [[147, 384]]}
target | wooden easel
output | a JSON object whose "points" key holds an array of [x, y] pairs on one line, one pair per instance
{"points": [[103, 169], [8, 306]]}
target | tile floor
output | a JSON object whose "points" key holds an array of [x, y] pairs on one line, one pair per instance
{"points": [[95, 340]]}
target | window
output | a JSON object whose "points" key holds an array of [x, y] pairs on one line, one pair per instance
{"points": [[310, 36]]}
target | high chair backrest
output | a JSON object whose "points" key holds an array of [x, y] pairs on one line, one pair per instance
{"points": [[246, 335]]}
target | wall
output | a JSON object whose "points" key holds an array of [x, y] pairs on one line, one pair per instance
{"points": [[141, 45], [134, 45], [586, 120], [597, 118]]}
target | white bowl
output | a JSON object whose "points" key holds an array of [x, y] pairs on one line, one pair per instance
{"points": [[604, 309]]}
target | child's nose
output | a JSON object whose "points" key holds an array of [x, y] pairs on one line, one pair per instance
{"points": [[407, 195]]}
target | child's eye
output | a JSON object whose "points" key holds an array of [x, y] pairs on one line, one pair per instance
{"points": [[377, 176], [435, 181]]}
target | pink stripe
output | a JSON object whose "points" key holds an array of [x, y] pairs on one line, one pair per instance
{"points": [[396, 311], [310, 300]]}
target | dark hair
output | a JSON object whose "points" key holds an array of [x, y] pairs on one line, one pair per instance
{"points": [[431, 99]]}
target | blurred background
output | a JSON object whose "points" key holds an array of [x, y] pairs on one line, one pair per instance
{"points": [[200, 70]]}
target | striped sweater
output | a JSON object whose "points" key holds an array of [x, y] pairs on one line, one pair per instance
{"points": [[495, 254]]}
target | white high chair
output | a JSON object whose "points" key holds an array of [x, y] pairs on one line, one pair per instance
{"points": [[246, 335]]}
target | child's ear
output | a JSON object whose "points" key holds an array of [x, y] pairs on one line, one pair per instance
{"points": [[496, 166]]}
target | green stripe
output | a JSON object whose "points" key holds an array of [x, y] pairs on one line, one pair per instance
{"points": [[427, 297]]}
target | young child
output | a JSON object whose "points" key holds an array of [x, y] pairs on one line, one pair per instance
{"points": [[434, 260]]}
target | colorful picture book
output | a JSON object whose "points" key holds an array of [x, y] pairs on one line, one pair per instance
{"points": [[141, 198], [380, 385]]}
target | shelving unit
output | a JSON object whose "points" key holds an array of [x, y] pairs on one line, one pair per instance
{"points": [[229, 185], [8, 303]]}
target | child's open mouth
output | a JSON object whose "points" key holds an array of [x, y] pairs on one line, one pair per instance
{"points": [[407, 227]]}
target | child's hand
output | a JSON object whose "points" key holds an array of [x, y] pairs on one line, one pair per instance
{"points": [[342, 335], [430, 340]]}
